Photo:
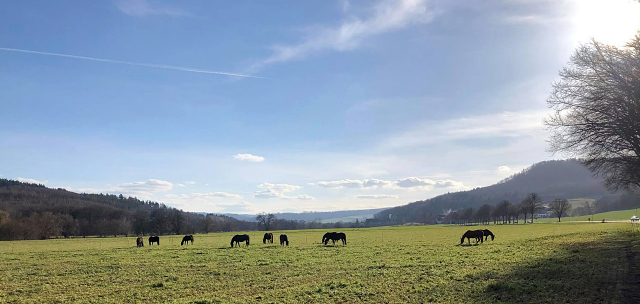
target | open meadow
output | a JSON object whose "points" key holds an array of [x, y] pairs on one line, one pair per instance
{"points": [[574, 263]]}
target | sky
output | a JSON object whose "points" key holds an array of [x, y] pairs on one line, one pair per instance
{"points": [[287, 106]]}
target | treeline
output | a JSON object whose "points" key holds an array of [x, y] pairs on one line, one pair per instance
{"points": [[32, 211]]}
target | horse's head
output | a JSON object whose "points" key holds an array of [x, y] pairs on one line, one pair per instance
{"points": [[462, 240], [492, 236]]}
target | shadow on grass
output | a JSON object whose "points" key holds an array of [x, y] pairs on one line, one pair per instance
{"points": [[607, 271]]}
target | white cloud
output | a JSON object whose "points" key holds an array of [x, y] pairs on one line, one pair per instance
{"points": [[376, 196], [504, 169], [142, 189], [32, 181], [386, 16], [349, 183], [181, 185], [143, 8], [279, 187], [189, 183], [304, 197], [215, 194], [249, 157], [278, 191], [374, 183], [409, 182], [269, 193]]}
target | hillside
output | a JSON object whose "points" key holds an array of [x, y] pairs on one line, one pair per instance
{"points": [[325, 217], [550, 179], [31, 211]]}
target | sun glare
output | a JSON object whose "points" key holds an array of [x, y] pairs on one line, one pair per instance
{"points": [[609, 21]]}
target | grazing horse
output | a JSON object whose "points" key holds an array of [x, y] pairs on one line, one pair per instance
{"points": [[488, 233], [284, 240], [139, 242], [186, 239], [334, 236], [154, 239], [240, 238], [268, 237], [473, 234]]}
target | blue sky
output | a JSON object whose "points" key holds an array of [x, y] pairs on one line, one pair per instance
{"points": [[335, 104]]}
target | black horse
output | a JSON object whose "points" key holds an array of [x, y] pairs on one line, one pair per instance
{"points": [[154, 239], [488, 233], [472, 234], [240, 238], [334, 236], [268, 237], [139, 242], [186, 239], [284, 240]]}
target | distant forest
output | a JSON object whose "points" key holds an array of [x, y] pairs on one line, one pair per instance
{"points": [[32, 211], [554, 179]]}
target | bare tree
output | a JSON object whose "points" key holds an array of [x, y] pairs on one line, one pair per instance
{"points": [[597, 111], [532, 203], [590, 206], [503, 210], [266, 220], [560, 206]]}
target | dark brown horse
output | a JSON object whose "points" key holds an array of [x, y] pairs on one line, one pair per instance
{"points": [[472, 234], [240, 238], [186, 239], [334, 236], [139, 242], [284, 240], [268, 237], [154, 239], [488, 233]]}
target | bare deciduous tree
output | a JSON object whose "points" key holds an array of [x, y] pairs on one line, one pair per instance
{"points": [[559, 207], [265, 220], [532, 203], [597, 111]]}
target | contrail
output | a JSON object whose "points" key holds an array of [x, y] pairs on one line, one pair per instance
{"points": [[158, 66]]}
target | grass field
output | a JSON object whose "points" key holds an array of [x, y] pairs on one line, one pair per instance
{"points": [[620, 215], [560, 263]]}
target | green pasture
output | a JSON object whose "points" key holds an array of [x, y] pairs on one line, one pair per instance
{"points": [[620, 215], [550, 263]]}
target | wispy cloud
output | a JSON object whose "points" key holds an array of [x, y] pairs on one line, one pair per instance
{"points": [[143, 8], [249, 157], [376, 196], [506, 124], [386, 16], [157, 66], [32, 181]]}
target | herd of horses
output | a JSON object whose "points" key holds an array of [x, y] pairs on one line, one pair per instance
{"points": [[479, 235], [239, 238]]}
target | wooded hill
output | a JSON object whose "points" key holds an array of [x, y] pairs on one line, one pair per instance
{"points": [[32, 211], [550, 179]]}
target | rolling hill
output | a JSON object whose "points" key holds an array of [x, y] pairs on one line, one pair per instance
{"points": [[550, 179]]}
